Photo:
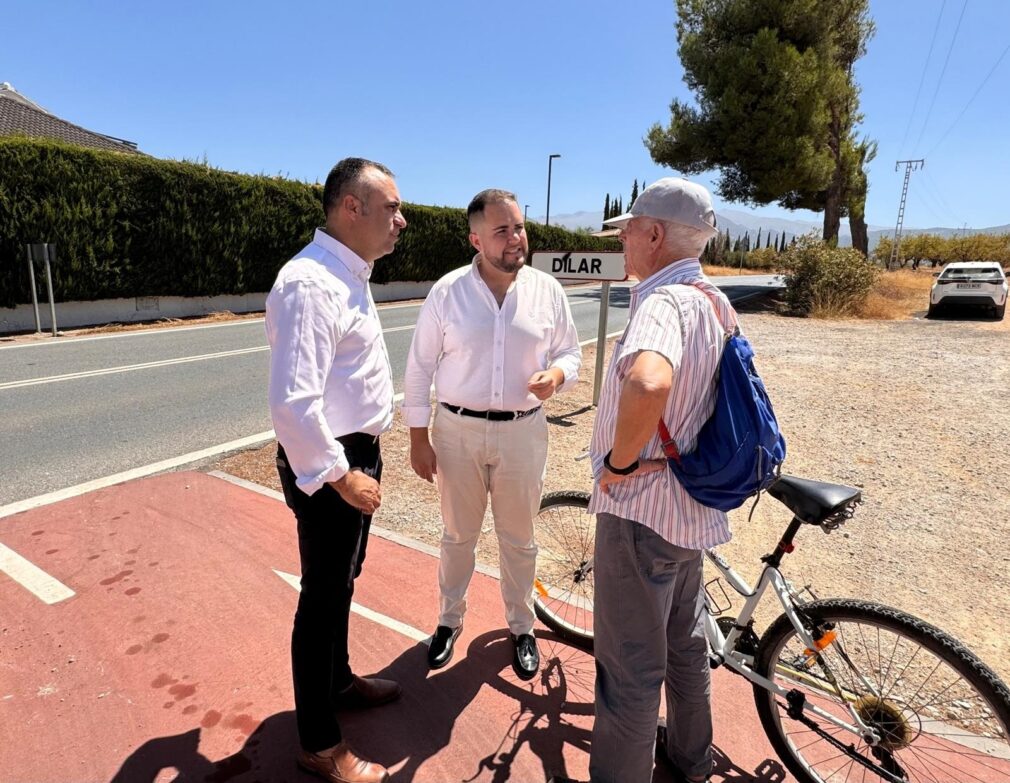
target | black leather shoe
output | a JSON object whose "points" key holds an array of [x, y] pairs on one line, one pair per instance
{"points": [[441, 644], [526, 657]]}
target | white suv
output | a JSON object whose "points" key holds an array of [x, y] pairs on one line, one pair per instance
{"points": [[981, 283]]}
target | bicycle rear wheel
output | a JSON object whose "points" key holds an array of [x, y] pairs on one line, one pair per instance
{"points": [[563, 589], [942, 714]]}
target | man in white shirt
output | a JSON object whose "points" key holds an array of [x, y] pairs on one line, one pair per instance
{"points": [[649, 604], [331, 396], [497, 337]]}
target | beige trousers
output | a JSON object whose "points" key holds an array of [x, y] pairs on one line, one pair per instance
{"points": [[503, 460]]}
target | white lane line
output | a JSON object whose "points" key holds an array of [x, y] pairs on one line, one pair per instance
{"points": [[128, 475], [72, 376], [129, 368], [47, 588], [606, 337], [395, 625], [376, 530], [145, 470]]}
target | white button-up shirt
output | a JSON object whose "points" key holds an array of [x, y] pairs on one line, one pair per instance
{"points": [[329, 370], [670, 315], [480, 355]]}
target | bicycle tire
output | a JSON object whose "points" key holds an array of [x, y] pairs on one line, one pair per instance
{"points": [[943, 714], [563, 589]]}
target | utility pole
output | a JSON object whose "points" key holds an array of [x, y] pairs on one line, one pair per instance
{"points": [[910, 166]]}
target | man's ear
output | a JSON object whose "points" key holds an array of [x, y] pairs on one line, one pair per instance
{"points": [[475, 241], [351, 204]]}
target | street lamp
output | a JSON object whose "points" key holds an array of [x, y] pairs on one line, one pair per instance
{"points": [[550, 160], [526, 211]]}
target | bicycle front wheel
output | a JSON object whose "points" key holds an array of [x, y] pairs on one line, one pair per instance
{"points": [[940, 713], [563, 589]]}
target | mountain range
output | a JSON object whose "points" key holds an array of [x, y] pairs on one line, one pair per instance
{"points": [[740, 223]]}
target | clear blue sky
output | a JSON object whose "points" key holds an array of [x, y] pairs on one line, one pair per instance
{"points": [[457, 96]]}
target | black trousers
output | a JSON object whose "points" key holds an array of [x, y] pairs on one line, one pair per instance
{"points": [[332, 538]]}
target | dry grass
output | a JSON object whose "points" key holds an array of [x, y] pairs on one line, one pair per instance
{"points": [[727, 271], [897, 295]]}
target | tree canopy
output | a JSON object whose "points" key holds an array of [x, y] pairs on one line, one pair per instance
{"points": [[776, 103]]}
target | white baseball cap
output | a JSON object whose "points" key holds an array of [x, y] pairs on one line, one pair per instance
{"points": [[673, 199]]}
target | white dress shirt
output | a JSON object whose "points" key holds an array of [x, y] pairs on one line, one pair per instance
{"points": [[671, 313], [482, 356], [329, 370]]}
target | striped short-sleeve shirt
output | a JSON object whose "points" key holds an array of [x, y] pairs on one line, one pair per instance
{"points": [[672, 314]]}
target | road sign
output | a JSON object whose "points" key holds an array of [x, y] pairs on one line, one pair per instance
{"points": [[581, 265]]}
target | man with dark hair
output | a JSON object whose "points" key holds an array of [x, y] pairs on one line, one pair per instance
{"points": [[331, 395], [497, 337]]}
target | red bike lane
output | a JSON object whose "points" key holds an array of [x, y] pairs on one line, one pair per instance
{"points": [[170, 660]]}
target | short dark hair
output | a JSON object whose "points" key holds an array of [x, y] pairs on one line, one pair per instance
{"points": [[345, 178], [486, 197]]}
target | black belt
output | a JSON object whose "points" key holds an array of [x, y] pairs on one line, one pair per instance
{"points": [[353, 439], [490, 415]]}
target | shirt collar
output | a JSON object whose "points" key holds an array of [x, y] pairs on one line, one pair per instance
{"points": [[354, 263], [677, 272]]}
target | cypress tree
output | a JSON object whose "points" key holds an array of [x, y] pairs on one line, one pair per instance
{"points": [[606, 208]]}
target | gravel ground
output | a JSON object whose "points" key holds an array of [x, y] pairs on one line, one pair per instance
{"points": [[916, 413]]}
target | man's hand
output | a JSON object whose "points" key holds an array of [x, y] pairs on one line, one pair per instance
{"points": [[359, 490], [422, 455], [608, 479], [543, 384]]}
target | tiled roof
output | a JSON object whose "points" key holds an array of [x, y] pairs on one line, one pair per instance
{"points": [[20, 116]]}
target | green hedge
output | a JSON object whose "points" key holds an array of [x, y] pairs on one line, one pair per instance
{"points": [[130, 225]]}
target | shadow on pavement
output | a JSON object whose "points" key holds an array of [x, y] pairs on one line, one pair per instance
{"points": [[546, 716]]}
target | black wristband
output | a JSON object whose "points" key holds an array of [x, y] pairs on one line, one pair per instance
{"points": [[619, 471]]}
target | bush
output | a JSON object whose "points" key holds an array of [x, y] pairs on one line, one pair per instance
{"points": [[826, 281], [132, 225]]}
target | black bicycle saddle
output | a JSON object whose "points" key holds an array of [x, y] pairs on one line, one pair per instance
{"points": [[812, 501]]}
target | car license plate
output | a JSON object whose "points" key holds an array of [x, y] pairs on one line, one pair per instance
{"points": [[969, 285]]}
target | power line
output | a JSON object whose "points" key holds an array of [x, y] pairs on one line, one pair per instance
{"points": [[971, 99], [936, 92], [922, 79], [936, 193]]}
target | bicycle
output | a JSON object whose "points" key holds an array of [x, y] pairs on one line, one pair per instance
{"points": [[845, 689]]}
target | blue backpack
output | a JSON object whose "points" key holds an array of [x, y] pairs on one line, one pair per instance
{"points": [[740, 448]]}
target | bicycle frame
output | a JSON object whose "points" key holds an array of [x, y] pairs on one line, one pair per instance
{"points": [[722, 645]]}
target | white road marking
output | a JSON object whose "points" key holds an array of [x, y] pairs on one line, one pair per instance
{"points": [[128, 475], [395, 625], [129, 368], [145, 470], [606, 337], [148, 365], [47, 588]]}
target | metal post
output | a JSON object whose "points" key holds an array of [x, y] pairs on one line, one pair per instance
{"points": [[49, 286], [601, 341], [910, 166], [550, 160], [35, 295]]}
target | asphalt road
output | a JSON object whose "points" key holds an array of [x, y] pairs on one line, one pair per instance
{"points": [[80, 409]]}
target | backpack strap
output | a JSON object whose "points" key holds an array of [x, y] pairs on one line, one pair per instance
{"points": [[666, 440], [669, 444]]}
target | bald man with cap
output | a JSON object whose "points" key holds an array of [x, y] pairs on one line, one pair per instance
{"points": [[649, 606]]}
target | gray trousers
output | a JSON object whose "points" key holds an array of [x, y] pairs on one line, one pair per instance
{"points": [[649, 622]]}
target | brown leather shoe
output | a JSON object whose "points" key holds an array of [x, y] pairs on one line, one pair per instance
{"points": [[342, 766], [367, 692]]}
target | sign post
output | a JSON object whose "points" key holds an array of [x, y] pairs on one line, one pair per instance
{"points": [[589, 265]]}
